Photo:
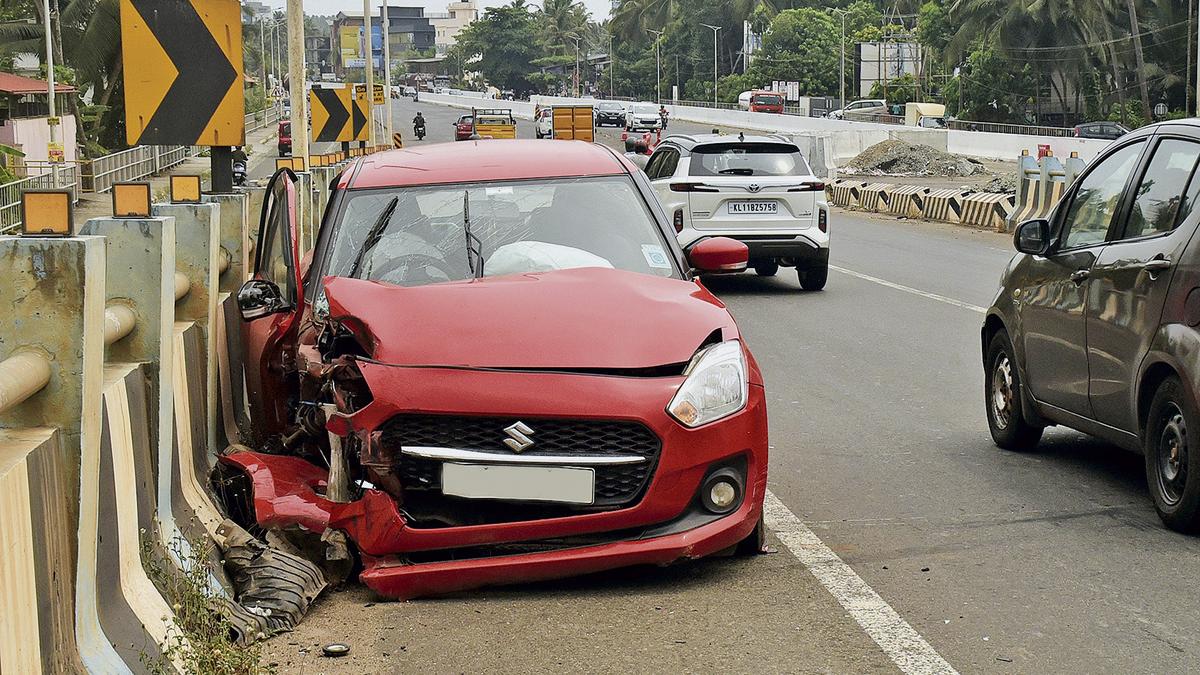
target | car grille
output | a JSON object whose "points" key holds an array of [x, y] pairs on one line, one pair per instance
{"points": [[616, 486]]}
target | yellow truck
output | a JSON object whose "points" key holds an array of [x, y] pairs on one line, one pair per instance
{"points": [[573, 122], [494, 123]]}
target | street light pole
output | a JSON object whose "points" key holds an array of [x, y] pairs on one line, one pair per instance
{"points": [[657, 65], [575, 88], [297, 78], [50, 88], [715, 30], [369, 47], [387, 71], [842, 69], [612, 67]]}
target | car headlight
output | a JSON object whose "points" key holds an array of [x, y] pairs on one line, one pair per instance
{"points": [[716, 386]]}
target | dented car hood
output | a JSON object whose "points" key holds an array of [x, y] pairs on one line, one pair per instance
{"points": [[578, 319]]}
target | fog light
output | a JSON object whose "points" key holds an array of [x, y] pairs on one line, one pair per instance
{"points": [[722, 494], [722, 490]]}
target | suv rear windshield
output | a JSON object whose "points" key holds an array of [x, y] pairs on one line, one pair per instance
{"points": [[748, 159], [285, 129]]}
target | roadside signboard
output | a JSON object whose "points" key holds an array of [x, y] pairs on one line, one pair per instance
{"points": [[331, 111], [183, 72]]}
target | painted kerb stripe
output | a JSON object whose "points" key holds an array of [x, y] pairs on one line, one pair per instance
{"points": [[900, 641]]}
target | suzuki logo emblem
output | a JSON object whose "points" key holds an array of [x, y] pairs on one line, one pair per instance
{"points": [[518, 437], [753, 187]]}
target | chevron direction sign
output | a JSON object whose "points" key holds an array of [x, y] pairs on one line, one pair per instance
{"points": [[183, 72], [331, 107]]}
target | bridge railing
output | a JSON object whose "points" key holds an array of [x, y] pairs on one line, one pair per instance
{"points": [[1002, 128]]}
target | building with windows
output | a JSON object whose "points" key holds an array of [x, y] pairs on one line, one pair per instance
{"points": [[458, 15], [409, 32]]}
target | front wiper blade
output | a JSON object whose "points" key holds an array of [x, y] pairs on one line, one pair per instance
{"points": [[474, 245], [373, 236]]}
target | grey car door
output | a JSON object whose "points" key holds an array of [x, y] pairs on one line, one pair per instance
{"points": [[1053, 288], [1129, 280]]}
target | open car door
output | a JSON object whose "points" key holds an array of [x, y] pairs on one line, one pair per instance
{"points": [[271, 304]]}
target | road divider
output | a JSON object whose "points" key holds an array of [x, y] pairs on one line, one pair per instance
{"points": [[980, 209]]}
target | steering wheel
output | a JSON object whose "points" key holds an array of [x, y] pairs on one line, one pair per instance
{"points": [[415, 262]]}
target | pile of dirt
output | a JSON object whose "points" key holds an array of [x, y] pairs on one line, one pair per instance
{"points": [[1006, 183], [897, 158]]}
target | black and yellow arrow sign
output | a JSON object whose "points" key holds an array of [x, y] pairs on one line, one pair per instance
{"points": [[183, 72], [331, 114], [361, 112]]}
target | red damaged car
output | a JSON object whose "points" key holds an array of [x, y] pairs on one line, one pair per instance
{"points": [[497, 366]]}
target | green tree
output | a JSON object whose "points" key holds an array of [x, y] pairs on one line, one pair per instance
{"points": [[501, 45], [801, 46]]}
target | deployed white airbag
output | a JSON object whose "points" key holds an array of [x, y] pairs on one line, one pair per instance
{"points": [[536, 256]]}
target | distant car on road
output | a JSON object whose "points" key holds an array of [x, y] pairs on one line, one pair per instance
{"points": [[610, 113], [285, 138], [596, 407], [642, 117], [464, 127], [766, 101], [1109, 131], [1095, 324], [756, 189], [860, 110]]}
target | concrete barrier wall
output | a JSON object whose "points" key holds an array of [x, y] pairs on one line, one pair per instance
{"points": [[980, 209], [849, 138]]}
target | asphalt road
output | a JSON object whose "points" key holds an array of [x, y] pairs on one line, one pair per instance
{"points": [[1050, 561]]}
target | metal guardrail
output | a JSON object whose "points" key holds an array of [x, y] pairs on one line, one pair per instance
{"points": [[263, 118], [1002, 128], [10, 193], [135, 163]]}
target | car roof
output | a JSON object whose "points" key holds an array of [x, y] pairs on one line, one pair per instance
{"points": [[691, 141], [484, 160]]}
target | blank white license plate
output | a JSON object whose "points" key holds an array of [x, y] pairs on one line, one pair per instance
{"points": [[531, 483], [753, 207]]}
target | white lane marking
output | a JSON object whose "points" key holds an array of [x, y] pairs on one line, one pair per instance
{"points": [[910, 289], [900, 641]]}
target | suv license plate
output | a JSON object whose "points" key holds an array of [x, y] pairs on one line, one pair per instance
{"points": [[526, 483], [753, 207]]}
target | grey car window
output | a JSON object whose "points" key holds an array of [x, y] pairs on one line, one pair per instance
{"points": [[1099, 194], [1160, 193]]}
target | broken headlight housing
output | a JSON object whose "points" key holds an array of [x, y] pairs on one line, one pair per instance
{"points": [[716, 387]]}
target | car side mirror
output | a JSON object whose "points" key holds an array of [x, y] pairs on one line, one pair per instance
{"points": [[258, 298], [718, 255], [1033, 237]]}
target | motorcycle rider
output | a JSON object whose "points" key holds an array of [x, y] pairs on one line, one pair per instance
{"points": [[419, 125], [240, 164]]}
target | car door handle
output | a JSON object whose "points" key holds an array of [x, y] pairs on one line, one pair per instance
{"points": [[1079, 276], [1156, 265]]}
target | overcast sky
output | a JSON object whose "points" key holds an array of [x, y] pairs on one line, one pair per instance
{"points": [[598, 8]]}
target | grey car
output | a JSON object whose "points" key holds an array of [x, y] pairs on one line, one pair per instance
{"points": [[1097, 322]]}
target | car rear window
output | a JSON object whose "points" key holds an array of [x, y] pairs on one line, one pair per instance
{"points": [[748, 159], [285, 129]]}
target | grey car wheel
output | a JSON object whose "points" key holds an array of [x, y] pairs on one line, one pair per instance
{"points": [[1007, 421], [1172, 453]]}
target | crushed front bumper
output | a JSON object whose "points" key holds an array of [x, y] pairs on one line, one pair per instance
{"points": [[404, 559]]}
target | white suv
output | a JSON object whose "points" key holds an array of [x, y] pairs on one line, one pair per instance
{"points": [[756, 189]]}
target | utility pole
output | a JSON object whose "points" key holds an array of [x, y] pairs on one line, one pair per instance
{"points": [[50, 89], [575, 39], [262, 52], [612, 67], [715, 30], [387, 71], [657, 65], [842, 70], [369, 47], [297, 78]]}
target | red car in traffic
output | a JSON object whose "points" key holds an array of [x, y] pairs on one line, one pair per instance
{"points": [[497, 366], [464, 127]]}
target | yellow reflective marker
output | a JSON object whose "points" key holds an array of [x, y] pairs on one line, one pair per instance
{"points": [[187, 87], [283, 163], [185, 189], [131, 200], [47, 213]]}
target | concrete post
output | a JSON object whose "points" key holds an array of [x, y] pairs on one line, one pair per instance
{"points": [[140, 269], [235, 219], [52, 303], [197, 251]]}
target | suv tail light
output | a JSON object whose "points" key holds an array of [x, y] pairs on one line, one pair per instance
{"points": [[692, 187], [678, 220], [823, 220]]}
